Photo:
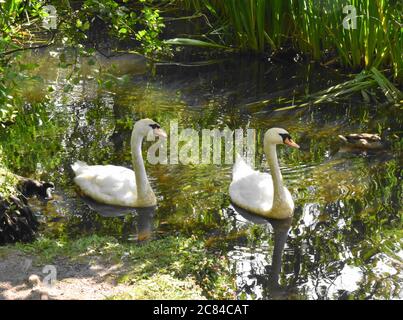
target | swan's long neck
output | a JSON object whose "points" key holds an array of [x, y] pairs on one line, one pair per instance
{"points": [[142, 183], [279, 196]]}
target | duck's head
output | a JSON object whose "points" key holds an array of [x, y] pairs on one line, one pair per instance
{"points": [[279, 136], [148, 127]]}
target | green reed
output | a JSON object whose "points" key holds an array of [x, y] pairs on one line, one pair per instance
{"points": [[315, 27], [364, 83]]}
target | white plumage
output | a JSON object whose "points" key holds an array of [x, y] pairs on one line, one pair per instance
{"points": [[260, 192], [107, 184], [250, 189], [118, 185]]}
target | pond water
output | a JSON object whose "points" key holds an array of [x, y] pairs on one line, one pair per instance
{"points": [[345, 238]]}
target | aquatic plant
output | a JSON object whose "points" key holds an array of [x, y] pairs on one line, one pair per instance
{"points": [[362, 83], [315, 28]]}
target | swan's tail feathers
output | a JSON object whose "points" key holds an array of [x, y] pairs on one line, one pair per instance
{"points": [[76, 166], [241, 168]]}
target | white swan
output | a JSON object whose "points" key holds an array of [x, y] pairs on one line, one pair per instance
{"points": [[118, 185], [259, 192]]}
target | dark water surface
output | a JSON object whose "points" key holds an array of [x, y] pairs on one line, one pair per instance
{"points": [[345, 238]]}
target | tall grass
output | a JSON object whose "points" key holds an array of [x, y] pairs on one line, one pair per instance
{"points": [[253, 24], [315, 27]]}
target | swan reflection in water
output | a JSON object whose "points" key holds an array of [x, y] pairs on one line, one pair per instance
{"points": [[144, 217], [255, 276]]}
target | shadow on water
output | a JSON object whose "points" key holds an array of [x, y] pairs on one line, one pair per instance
{"points": [[345, 238]]}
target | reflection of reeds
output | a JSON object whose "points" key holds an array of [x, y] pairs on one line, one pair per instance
{"points": [[314, 27]]}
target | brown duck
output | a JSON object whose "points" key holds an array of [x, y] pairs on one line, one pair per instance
{"points": [[366, 141]]}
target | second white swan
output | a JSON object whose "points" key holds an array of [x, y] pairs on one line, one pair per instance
{"points": [[262, 193], [118, 185]]}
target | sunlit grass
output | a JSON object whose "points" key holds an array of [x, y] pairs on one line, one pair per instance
{"points": [[155, 268]]}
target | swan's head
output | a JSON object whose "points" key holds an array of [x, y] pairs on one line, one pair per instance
{"points": [[279, 136], [148, 127]]}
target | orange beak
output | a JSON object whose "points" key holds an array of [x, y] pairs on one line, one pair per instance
{"points": [[291, 143], [160, 133]]}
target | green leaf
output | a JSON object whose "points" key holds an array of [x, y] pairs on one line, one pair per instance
{"points": [[194, 42], [123, 30]]}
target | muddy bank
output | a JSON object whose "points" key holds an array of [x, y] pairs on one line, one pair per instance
{"points": [[76, 281], [102, 268]]}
